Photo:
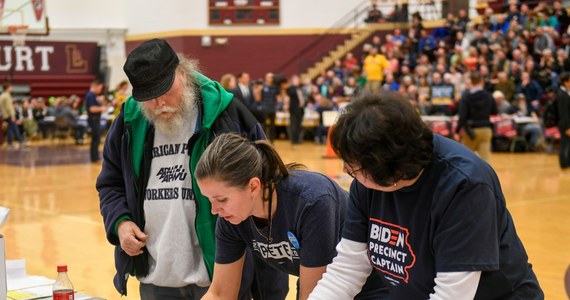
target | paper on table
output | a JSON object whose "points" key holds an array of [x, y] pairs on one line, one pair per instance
{"points": [[15, 268], [29, 282], [17, 278], [25, 287], [38, 292]]}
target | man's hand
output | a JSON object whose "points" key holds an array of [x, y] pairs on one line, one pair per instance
{"points": [[567, 132], [131, 237]]}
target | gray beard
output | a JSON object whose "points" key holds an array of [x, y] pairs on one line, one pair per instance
{"points": [[174, 124]]}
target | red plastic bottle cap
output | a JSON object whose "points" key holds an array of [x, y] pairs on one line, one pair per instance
{"points": [[62, 268]]}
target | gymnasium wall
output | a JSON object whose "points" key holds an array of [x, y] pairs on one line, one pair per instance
{"points": [[50, 68], [255, 54], [116, 28], [256, 49], [178, 15]]}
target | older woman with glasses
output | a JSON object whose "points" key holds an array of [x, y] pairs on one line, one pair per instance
{"points": [[424, 211]]}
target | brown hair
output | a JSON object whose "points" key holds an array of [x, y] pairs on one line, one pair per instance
{"points": [[225, 81], [475, 77], [234, 160]]}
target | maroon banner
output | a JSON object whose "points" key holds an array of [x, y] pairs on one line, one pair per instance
{"points": [[38, 8], [48, 58]]}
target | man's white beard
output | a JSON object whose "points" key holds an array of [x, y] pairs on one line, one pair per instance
{"points": [[179, 114]]}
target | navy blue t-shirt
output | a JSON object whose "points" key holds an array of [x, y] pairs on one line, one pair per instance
{"points": [[91, 100], [305, 229], [452, 219]]}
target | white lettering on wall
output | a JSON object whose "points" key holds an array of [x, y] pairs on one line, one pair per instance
{"points": [[44, 52], [7, 58], [24, 58], [24, 55]]}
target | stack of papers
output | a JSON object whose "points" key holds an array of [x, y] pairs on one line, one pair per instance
{"points": [[38, 292], [22, 286]]}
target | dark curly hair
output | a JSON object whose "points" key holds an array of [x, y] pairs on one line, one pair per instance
{"points": [[384, 135]]}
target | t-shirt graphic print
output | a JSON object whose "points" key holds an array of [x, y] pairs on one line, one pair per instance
{"points": [[389, 250], [170, 212]]}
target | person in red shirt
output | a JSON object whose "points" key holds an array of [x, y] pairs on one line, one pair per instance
{"points": [[350, 63]]}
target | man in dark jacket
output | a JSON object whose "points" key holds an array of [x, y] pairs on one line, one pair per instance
{"points": [[563, 99], [244, 93], [152, 209], [269, 105], [296, 109], [475, 108], [531, 90], [562, 15]]}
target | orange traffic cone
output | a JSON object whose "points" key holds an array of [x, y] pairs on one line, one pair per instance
{"points": [[329, 152]]}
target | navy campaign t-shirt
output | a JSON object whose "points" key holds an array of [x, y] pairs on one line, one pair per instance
{"points": [[452, 219], [305, 228]]}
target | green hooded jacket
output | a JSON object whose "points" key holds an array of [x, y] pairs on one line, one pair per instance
{"points": [[214, 101]]}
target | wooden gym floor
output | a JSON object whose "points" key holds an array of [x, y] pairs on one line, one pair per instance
{"points": [[54, 219]]}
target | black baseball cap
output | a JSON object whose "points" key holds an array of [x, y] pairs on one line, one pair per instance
{"points": [[151, 69]]}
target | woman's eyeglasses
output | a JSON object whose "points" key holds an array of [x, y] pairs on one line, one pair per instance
{"points": [[351, 172], [393, 182]]}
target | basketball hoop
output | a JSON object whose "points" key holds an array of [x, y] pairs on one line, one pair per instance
{"points": [[18, 34]]}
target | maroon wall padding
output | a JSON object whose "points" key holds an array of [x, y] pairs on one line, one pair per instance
{"points": [[257, 55], [68, 67], [47, 86]]}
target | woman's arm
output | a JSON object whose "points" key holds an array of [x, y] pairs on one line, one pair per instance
{"points": [[308, 278], [455, 285], [226, 281], [347, 273]]}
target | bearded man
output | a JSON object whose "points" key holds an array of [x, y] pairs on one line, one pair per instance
{"points": [[154, 214]]}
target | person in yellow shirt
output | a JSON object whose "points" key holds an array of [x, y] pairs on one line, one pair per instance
{"points": [[120, 96], [374, 66]]}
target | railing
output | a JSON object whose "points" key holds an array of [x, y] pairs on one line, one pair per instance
{"points": [[352, 19]]}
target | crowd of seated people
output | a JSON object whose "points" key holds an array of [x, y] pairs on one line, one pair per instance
{"points": [[54, 118], [519, 53], [38, 118], [63, 117], [301, 102], [398, 14]]}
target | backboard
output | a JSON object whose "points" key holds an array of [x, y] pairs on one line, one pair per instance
{"points": [[23, 15]]}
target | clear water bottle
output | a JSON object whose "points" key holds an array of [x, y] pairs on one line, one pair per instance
{"points": [[62, 288]]}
